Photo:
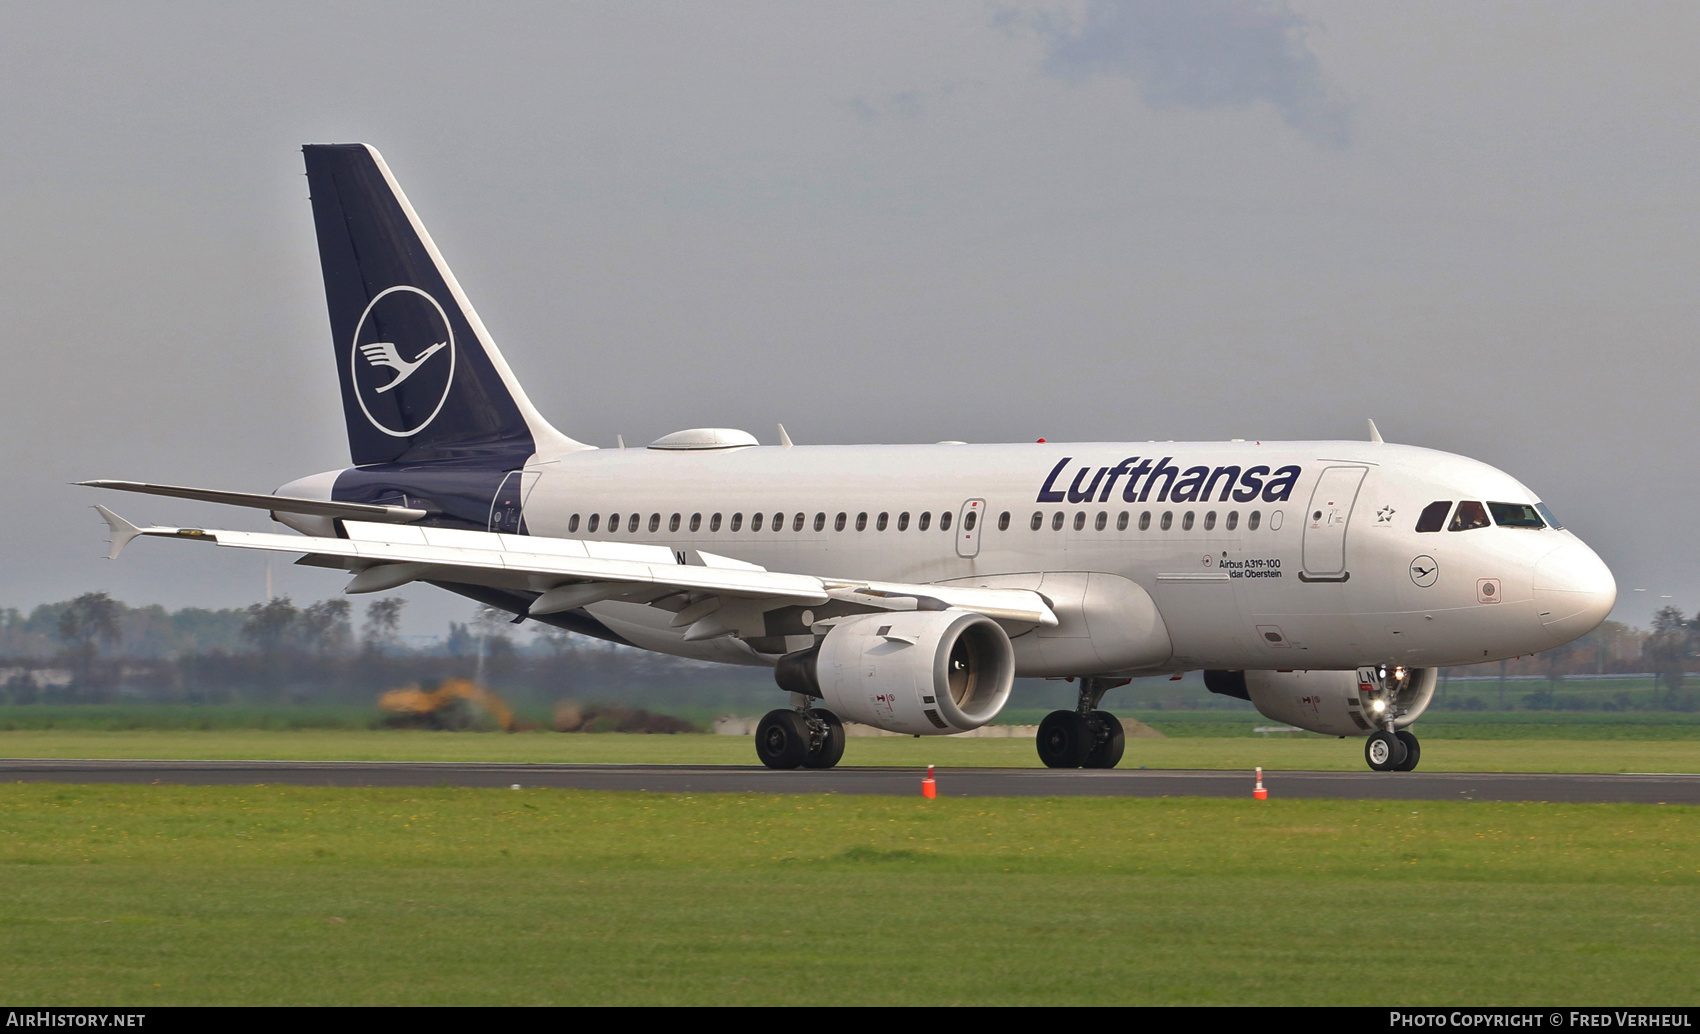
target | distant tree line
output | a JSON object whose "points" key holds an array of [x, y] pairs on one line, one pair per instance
{"points": [[97, 649]]}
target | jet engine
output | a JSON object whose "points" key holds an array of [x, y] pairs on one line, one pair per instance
{"points": [[922, 672], [1336, 703]]}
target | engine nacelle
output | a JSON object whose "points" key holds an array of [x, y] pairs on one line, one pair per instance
{"points": [[1336, 703], [923, 672]]}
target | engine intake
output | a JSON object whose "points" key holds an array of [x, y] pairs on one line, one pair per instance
{"points": [[926, 673]]}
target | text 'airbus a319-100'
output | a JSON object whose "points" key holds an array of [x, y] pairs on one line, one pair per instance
{"points": [[905, 586]]}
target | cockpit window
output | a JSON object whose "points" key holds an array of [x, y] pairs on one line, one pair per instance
{"points": [[1516, 515], [1546, 511], [1434, 516], [1470, 515]]}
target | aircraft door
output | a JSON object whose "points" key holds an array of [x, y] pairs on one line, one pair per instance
{"points": [[507, 507], [969, 524], [1325, 524]]}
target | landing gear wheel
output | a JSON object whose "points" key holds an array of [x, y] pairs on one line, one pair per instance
{"points": [[1065, 740], [1413, 751], [1385, 752], [1108, 742], [825, 751], [782, 739]]}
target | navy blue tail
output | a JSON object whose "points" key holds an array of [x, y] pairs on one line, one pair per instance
{"points": [[421, 381]]}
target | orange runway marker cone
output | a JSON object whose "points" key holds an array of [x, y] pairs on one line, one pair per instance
{"points": [[1260, 793], [929, 789]]}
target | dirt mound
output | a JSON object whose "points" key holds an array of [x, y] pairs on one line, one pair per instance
{"points": [[571, 717]]}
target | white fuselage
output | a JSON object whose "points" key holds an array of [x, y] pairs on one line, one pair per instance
{"points": [[1316, 572]]}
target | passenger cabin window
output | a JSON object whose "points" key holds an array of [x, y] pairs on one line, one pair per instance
{"points": [[613, 523], [755, 521], [820, 522], [861, 522], [632, 523], [1210, 520], [1470, 516], [903, 521], [1168, 519], [926, 520], [1253, 519], [1186, 521], [737, 522], [1515, 515], [838, 522], [1121, 521], [1233, 519], [595, 521], [1079, 520], [944, 520], [714, 523], [655, 522], [696, 522], [778, 522], [673, 523], [1037, 522], [970, 520], [1003, 522], [1434, 516], [1102, 520], [1145, 521], [1057, 521], [1546, 511], [797, 522], [572, 524], [879, 524]]}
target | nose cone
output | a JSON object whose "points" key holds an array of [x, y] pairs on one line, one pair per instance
{"points": [[1574, 591]]}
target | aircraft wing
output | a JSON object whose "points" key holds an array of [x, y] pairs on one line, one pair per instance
{"points": [[709, 595]]}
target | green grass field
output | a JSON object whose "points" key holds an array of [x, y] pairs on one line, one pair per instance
{"points": [[153, 895], [1274, 752]]}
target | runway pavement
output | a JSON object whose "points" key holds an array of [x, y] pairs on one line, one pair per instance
{"points": [[960, 782]]}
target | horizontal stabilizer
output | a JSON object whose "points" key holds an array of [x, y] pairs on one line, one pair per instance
{"points": [[275, 503]]}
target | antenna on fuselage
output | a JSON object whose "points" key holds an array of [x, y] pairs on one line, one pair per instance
{"points": [[1374, 435], [784, 439]]}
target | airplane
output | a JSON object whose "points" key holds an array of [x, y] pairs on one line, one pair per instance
{"points": [[904, 587]]}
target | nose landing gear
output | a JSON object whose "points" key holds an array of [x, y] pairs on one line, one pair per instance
{"points": [[1393, 751], [1381, 691], [1085, 737]]}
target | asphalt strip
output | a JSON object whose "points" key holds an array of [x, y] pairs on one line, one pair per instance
{"points": [[896, 782]]}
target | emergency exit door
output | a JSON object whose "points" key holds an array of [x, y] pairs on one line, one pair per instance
{"points": [[969, 523]]}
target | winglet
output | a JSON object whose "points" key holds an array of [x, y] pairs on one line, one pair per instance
{"points": [[784, 439], [1374, 435], [123, 532]]}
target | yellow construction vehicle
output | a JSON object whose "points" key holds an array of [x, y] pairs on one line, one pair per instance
{"points": [[441, 708]]}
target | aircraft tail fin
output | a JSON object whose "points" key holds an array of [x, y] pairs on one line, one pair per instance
{"points": [[421, 379]]}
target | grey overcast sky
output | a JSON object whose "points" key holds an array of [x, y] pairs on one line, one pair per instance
{"points": [[997, 221]]}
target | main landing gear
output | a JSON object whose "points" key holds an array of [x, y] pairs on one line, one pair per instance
{"points": [[1084, 737], [1393, 751], [811, 738]]}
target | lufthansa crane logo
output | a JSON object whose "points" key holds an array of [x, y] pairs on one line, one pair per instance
{"points": [[402, 361]]}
